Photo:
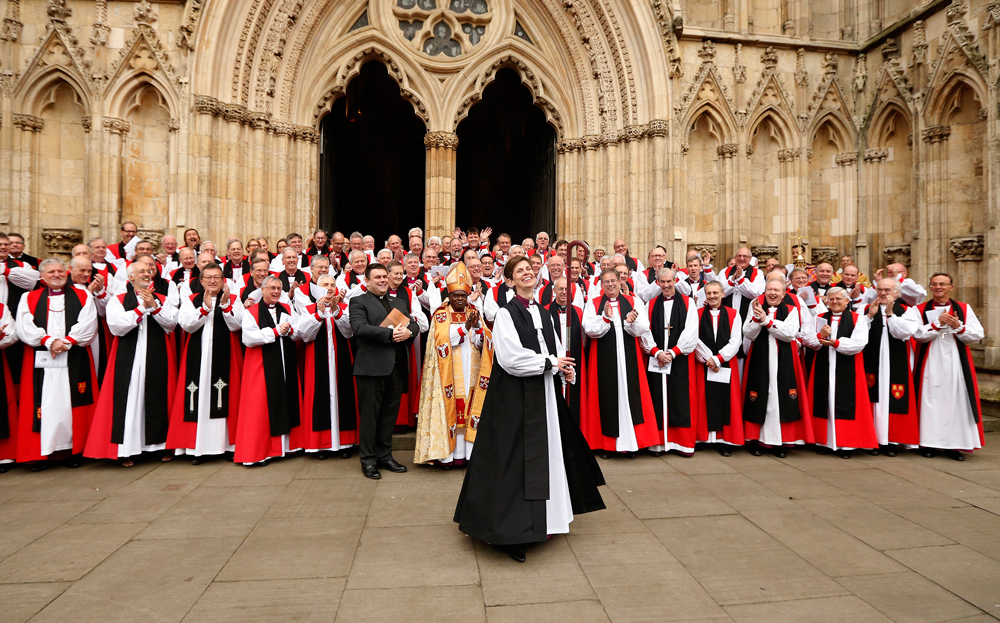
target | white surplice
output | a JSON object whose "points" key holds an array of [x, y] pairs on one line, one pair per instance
{"points": [[847, 346], [686, 344], [784, 330], [307, 327], [595, 325], [121, 322], [212, 436], [519, 361], [947, 421]]}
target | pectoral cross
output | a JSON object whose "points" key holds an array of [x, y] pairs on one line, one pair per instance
{"points": [[220, 385], [192, 388]]}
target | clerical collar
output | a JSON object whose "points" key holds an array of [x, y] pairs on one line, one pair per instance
{"points": [[55, 292], [936, 304], [393, 292], [523, 301], [271, 306], [837, 314], [561, 308], [714, 310]]}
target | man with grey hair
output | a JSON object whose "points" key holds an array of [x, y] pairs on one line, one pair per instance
{"points": [[672, 337], [270, 396], [56, 323], [236, 264], [132, 414], [911, 292], [887, 368], [354, 274]]}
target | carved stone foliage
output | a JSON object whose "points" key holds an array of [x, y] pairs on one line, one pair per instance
{"points": [[28, 123], [936, 134], [12, 25], [703, 249], [152, 235], [876, 154], [896, 254], [447, 140], [60, 241], [661, 8], [846, 159], [117, 126], [192, 15], [764, 252], [829, 255], [236, 113], [967, 248], [728, 151]]}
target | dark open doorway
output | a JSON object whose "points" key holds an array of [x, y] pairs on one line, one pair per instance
{"points": [[506, 163], [372, 160]]}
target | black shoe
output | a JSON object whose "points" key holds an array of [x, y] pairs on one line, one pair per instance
{"points": [[844, 454], [604, 455], [39, 466], [631, 455], [656, 452], [780, 454], [322, 455], [889, 452], [927, 453], [228, 456], [754, 450], [872, 452], [514, 551], [74, 461], [955, 455], [445, 466], [197, 460], [724, 452], [4, 468], [370, 471], [391, 465], [345, 454], [823, 450]]}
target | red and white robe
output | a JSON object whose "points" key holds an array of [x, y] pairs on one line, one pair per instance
{"points": [[267, 424], [330, 402], [8, 392], [673, 326], [720, 333], [56, 404], [619, 415], [204, 414], [842, 417], [888, 374], [776, 407], [132, 414], [951, 415]]}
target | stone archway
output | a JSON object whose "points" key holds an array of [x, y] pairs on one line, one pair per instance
{"points": [[371, 169], [506, 164]]}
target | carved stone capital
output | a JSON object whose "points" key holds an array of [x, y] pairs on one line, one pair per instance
{"points": [[591, 141], [829, 255], [703, 248], [936, 134], [846, 158], [967, 248], [60, 241], [633, 133], [447, 140], [151, 235], [897, 254], [789, 155], [611, 137], [656, 127], [569, 145], [117, 126], [728, 151], [764, 251], [28, 123], [876, 154], [206, 105]]}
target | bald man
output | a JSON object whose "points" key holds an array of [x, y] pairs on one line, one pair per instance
{"points": [[910, 292]]}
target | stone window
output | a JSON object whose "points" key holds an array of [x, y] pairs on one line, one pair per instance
{"points": [[450, 29]]}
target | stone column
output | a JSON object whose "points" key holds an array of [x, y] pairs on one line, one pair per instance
{"points": [[728, 232], [115, 131], [875, 215], [936, 155], [847, 206], [658, 176], [441, 170], [23, 191]]}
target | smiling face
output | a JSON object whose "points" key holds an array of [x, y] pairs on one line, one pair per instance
{"points": [[542, 241], [504, 243], [319, 239], [837, 302], [54, 275], [430, 258], [824, 273], [320, 268], [396, 276], [235, 251], [188, 259], [713, 294], [743, 257], [850, 276], [536, 264], [378, 280], [774, 292], [169, 244], [337, 242], [941, 288], [657, 257], [524, 278], [98, 249], [271, 293], [610, 284], [412, 266], [129, 231], [556, 267], [395, 243], [296, 243], [259, 272], [666, 283], [800, 279], [560, 291], [212, 280], [290, 260]]}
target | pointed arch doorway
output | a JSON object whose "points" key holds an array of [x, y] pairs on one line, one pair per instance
{"points": [[372, 159], [506, 163]]}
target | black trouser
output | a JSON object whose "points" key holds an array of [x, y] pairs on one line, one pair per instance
{"points": [[378, 404]]}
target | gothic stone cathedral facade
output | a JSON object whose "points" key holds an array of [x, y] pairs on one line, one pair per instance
{"points": [[862, 126]]}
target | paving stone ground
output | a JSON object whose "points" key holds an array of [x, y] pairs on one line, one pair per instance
{"points": [[741, 539]]}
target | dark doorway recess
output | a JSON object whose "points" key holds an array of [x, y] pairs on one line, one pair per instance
{"points": [[372, 160], [506, 177]]}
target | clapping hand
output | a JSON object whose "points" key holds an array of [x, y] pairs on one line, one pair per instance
{"points": [[758, 312], [608, 310], [632, 316], [147, 297], [284, 328], [97, 284], [950, 319], [471, 319], [825, 332]]}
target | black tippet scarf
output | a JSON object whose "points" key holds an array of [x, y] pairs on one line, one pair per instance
{"points": [[630, 262], [281, 382], [678, 381], [322, 417], [178, 276], [751, 274], [352, 278], [4, 411], [963, 356], [286, 281], [573, 349], [845, 399], [221, 368], [248, 290], [718, 405], [755, 394], [15, 352], [227, 269], [607, 372], [899, 364], [817, 287], [155, 404], [80, 391], [536, 453]]}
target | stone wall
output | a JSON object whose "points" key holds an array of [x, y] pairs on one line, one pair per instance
{"points": [[862, 126]]}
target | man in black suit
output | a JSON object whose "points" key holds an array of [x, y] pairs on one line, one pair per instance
{"points": [[380, 368]]}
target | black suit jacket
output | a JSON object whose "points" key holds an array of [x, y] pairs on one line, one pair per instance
{"points": [[376, 353]]}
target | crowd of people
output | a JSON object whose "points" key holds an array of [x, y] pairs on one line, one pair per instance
{"points": [[327, 345]]}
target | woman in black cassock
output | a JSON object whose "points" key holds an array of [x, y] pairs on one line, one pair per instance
{"points": [[532, 469]]}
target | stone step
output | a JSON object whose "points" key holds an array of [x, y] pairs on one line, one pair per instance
{"points": [[404, 441]]}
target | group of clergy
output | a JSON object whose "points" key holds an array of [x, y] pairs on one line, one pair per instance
{"points": [[128, 349]]}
